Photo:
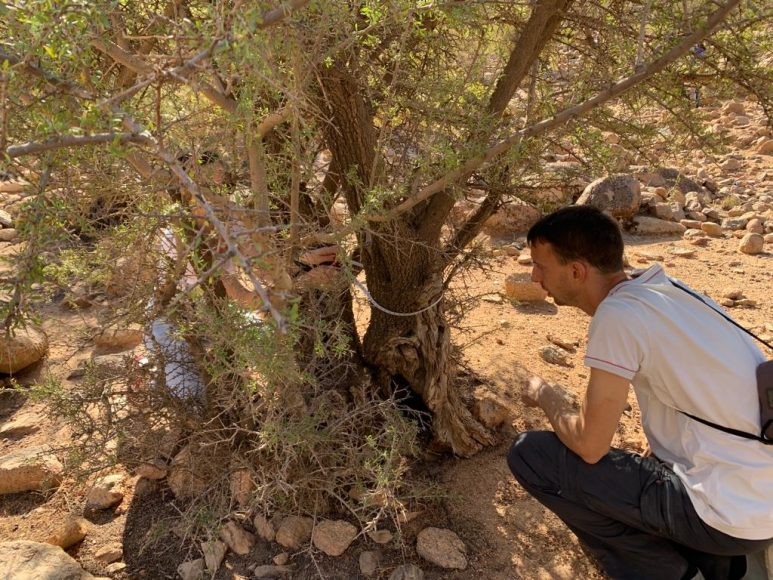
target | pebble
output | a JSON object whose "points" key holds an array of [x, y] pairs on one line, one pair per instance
{"points": [[554, 356]]}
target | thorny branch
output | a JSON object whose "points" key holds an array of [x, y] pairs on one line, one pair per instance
{"points": [[561, 117]]}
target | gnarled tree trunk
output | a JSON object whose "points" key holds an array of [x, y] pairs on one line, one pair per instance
{"points": [[402, 276]]}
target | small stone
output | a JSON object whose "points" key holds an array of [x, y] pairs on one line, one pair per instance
{"points": [[492, 298], [281, 558], [407, 572], [153, 470], [6, 219], [691, 224], [269, 571], [146, 487], [524, 259], [21, 349], [239, 540], [442, 547], [654, 226], [765, 148], [264, 528], [115, 567], [369, 561], [682, 252], [110, 553], [72, 531], [214, 552], [768, 238], [742, 120], [242, 486], [755, 226], [730, 164], [30, 469], [519, 287], [191, 570], [727, 303], [333, 537], [746, 303], [651, 256], [694, 233], [564, 343], [185, 477], [21, 425], [732, 293], [752, 244], [294, 531], [25, 560], [662, 211], [554, 356], [380, 536], [12, 185], [104, 493], [119, 338], [661, 192], [734, 224], [404, 517], [488, 411], [7, 235], [712, 229]]}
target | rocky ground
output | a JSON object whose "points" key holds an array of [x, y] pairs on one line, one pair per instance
{"points": [[710, 223]]}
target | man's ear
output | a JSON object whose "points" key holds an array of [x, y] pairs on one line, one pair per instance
{"points": [[579, 271]]}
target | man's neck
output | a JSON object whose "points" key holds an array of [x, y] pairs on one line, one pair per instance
{"points": [[599, 290]]}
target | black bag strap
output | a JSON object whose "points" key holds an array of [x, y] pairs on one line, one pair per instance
{"points": [[761, 438]]}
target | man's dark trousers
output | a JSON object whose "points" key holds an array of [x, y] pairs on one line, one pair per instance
{"points": [[631, 512]]}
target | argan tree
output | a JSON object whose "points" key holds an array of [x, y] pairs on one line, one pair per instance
{"points": [[393, 109]]}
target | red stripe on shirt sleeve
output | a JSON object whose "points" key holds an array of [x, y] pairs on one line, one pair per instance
{"points": [[610, 363]]}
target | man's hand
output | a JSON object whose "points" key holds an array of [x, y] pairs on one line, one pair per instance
{"points": [[531, 391]]}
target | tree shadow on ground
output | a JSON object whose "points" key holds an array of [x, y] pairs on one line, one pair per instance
{"points": [[18, 504]]}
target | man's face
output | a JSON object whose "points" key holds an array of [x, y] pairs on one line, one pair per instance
{"points": [[553, 275]]}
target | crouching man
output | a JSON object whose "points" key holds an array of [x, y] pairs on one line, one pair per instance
{"points": [[704, 498]]}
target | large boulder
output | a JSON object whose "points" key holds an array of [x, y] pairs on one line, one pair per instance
{"points": [[515, 217], [21, 349], [23, 560], [669, 178], [619, 195]]}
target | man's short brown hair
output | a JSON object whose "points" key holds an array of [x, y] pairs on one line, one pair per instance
{"points": [[581, 232]]}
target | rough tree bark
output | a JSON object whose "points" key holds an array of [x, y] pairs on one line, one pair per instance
{"points": [[401, 276]]}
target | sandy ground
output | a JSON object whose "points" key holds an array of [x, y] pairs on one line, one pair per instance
{"points": [[508, 534]]}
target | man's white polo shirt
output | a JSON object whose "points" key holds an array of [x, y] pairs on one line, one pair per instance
{"points": [[679, 355]]}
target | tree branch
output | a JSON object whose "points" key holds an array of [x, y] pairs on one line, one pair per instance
{"points": [[545, 18], [137, 65], [33, 148], [66, 86], [562, 117], [195, 191], [181, 72]]}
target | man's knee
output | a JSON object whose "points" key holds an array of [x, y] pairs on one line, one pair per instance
{"points": [[533, 457]]}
